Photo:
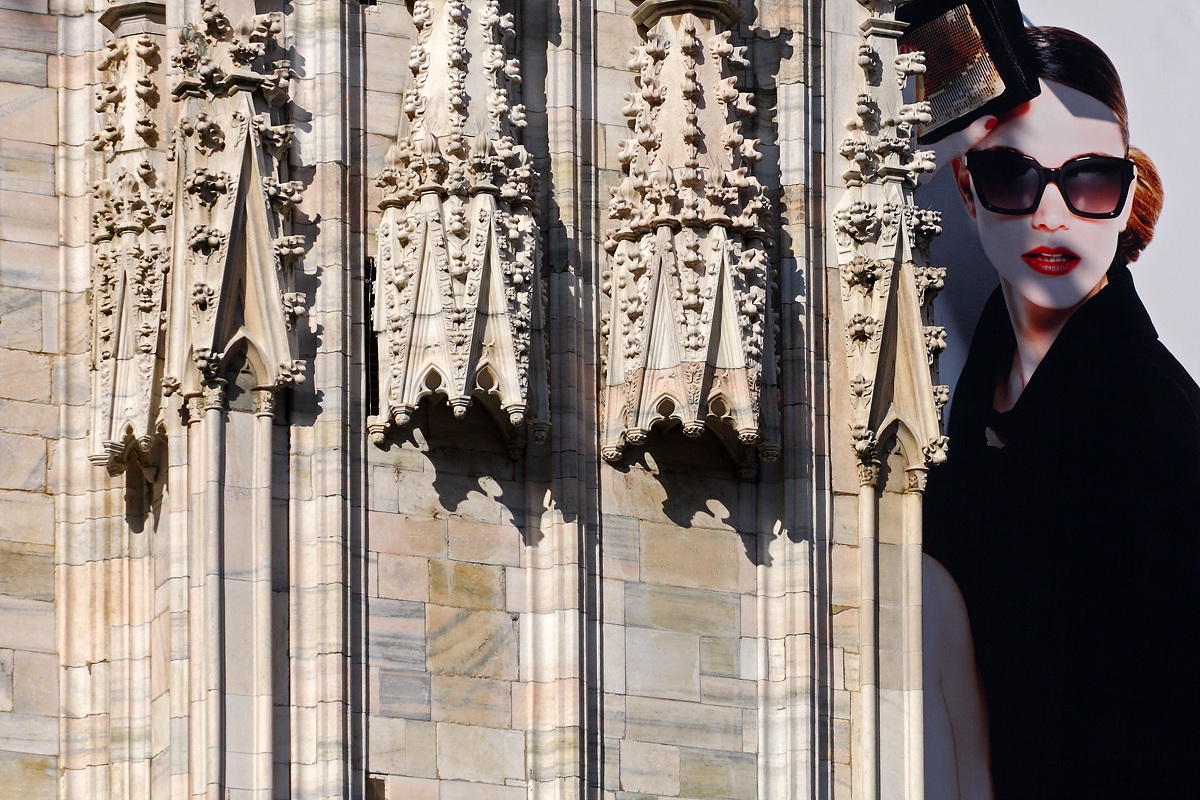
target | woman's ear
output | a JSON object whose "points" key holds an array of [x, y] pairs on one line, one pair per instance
{"points": [[962, 179]]}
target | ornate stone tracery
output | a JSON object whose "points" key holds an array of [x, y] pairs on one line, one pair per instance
{"points": [[133, 207], [459, 297], [883, 252], [690, 325]]}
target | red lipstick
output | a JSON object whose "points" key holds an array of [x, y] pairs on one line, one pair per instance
{"points": [[1051, 261]]}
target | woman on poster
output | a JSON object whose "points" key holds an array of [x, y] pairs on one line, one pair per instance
{"points": [[1069, 512]]}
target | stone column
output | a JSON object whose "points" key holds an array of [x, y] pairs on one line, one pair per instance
{"points": [[208, 687]]}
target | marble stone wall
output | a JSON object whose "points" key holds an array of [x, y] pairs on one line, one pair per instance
{"points": [[645, 626], [32, 390]]}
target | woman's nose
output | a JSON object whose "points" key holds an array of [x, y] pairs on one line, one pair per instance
{"points": [[1052, 212]]}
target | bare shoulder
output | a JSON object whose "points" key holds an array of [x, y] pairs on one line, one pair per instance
{"points": [[944, 613]]}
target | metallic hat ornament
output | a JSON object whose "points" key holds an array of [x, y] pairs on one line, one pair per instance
{"points": [[977, 60]]}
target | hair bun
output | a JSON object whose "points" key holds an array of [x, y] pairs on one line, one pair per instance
{"points": [[1147, 205]]}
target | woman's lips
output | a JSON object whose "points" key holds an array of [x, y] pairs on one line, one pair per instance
{"points": [[1051, 261]]}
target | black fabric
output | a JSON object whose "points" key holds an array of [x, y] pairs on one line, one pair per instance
{"points": [[1075, 547]]}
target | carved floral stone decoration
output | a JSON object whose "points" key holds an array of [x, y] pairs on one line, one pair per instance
{"points": [[883, 252], [459, 290], [232, 283], [192, 261], [689, 320], [133, 208]]}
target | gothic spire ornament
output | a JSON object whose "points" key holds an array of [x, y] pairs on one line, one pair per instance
{"points": [[883, 252], [690, 325], [458, 307], [233, 253]]}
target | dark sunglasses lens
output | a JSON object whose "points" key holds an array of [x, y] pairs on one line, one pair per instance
{"points": [[1095, 185], [1005, 181]]}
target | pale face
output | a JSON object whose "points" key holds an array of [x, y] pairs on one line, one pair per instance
{"points": [[1051, 257]]}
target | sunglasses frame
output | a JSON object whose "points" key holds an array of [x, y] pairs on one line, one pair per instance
{"points": [[1047, 176]]}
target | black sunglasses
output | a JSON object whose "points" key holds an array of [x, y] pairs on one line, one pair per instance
{"points": [[1012, 183]]}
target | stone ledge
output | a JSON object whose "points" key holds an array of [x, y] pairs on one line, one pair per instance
{"points": [[651, 11]]}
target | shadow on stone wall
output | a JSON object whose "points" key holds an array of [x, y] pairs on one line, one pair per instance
{"points": [[693, 483], [475, 475]]}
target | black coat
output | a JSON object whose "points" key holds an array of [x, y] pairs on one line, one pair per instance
{"points": [[1075, 545]]}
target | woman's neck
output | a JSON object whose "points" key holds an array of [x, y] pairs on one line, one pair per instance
{"points": [[1036, 327]]}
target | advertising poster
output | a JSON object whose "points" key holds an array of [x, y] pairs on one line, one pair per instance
{"points": [[1066, 514], [1154, 52]]}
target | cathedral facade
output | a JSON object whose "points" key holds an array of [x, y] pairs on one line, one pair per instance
{"points": [[462, 399]]}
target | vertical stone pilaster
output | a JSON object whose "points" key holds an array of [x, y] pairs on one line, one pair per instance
{"points": [[319, 513], [886, 286], [107, 555], [564, 686], [794, 648]]}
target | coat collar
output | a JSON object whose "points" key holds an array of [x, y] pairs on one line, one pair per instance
{"points": [[1093, 342]]}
